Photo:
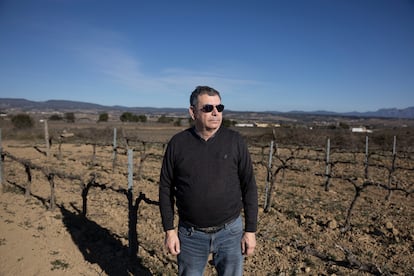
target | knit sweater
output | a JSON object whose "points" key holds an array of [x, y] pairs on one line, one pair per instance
{"points": [[209, 181]]}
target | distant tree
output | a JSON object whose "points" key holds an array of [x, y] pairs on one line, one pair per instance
{"points": [[55, 117], [70, 117], [22, 121], [126, 117], [343, 125], [103, 117], [228, 123], [142, 118], [177, 122], [129, 117], [164, 119]]}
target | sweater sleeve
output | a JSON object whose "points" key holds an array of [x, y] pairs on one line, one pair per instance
{"points": [[166, 190], [248, 187]]}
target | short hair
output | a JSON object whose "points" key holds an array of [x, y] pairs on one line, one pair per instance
{"points": [[201, 90]]}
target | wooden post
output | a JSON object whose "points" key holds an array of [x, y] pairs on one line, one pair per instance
{"points": [[327, 165], [392, 169], [51, 178], [130, 169], [47, 138], [269, 176], [28, 191], [93, 154], [114, 151], [366, 158], [132, 211], [60, 141], [394, 155], [394, 146]]}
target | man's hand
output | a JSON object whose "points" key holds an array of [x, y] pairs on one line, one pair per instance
{"points": [[248, 243], [172, 243]]}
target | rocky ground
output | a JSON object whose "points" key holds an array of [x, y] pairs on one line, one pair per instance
{"points": [[300, 235]]}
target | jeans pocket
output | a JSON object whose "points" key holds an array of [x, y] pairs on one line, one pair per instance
{"points": [[236, 227], [185, 231]]}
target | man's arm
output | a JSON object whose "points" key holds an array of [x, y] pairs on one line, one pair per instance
{"points": [[166, 193], [248, 188], [250, 199]]}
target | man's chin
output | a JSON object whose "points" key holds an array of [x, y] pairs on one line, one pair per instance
{"points": [[213, 126]]}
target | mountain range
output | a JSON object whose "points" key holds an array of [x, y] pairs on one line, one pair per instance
{"points": [[7, 104]]}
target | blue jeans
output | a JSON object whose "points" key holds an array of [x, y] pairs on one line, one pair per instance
{"points": [[225, 245]]}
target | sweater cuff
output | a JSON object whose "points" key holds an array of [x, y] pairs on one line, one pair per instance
{"points": [[168, 226], [250, 228]]}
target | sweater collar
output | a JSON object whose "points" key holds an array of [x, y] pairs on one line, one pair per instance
{"points": [[196, 133]]}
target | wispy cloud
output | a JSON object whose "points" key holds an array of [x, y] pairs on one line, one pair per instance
{"points": [[106, 54]]}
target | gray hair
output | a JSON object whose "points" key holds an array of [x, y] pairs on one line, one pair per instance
{"points": [[201, 90]]}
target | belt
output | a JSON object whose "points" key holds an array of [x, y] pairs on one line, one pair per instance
{"points": [[213, 229], [210, 230]]}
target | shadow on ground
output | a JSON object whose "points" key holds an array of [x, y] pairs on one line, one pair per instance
{"points": [[98, 245]]}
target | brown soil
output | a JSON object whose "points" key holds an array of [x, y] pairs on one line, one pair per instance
{"points": [[301, 235]]}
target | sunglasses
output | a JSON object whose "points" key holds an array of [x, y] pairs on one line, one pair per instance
{"points": [[209, 107]]}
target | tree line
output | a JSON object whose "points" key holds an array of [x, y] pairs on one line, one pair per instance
{"points": [[24, 121]]}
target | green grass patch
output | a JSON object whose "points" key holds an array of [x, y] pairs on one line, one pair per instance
{"points": [[59, 264]]}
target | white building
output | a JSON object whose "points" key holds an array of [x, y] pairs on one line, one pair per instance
{"points": [[361, 130]]}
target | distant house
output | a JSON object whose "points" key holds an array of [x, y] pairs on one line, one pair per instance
{"points": [[255, 124], [244, 125], [261, 124], [361, 130]]}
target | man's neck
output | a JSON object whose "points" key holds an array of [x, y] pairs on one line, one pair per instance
{"points": [[205, 134]]}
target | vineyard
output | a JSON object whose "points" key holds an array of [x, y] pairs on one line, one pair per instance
{"points": [[331, 202]]}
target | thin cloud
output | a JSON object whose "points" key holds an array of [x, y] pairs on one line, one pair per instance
{"points": [[120, 65]]}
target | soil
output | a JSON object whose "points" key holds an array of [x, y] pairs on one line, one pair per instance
{"points": [[302, 233]]}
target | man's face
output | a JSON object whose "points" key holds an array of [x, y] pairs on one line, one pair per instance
{"points": [[207, 120]]}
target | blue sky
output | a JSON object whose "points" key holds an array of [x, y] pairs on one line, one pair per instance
{"points": [[335, 55]]}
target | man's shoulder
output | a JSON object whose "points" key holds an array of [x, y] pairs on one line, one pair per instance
{"points": [[182, 135], [225, 131]]}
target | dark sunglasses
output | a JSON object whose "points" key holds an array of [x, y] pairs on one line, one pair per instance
{"points": [[209, 107]]}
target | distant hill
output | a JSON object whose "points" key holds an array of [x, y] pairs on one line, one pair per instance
{"points": [[405, 113], [63, 105]]}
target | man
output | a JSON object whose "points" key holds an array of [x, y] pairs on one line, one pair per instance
{"points": [[207, 172]]}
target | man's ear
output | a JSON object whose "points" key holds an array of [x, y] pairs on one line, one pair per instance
{"points": [[191, 111]]}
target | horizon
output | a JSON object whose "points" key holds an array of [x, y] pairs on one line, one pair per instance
{"points": [[336, 56], [185, 108]]}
